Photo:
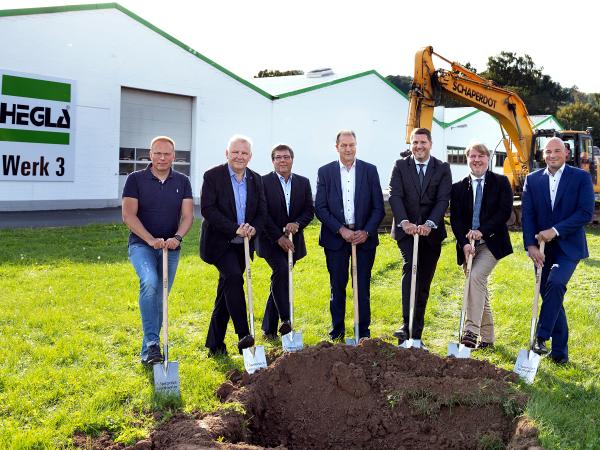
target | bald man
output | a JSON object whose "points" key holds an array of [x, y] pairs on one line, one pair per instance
{"points": [[558, 202]]}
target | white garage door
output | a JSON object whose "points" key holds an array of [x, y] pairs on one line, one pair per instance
{"points": [[146, 114]]}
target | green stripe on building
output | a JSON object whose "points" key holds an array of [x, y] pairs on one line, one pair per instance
{"points": [[32, 88], [36, 137]]}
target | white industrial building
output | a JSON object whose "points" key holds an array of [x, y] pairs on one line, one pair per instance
{"points": [[112, 81]]}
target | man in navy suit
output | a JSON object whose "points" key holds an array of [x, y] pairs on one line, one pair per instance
{"points": [[233, 207], [420, 188], [349, 204], [289, 210], [558, 202]]}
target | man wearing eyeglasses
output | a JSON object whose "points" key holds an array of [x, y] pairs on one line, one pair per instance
{"points": [[289, 210], [349, 204]]}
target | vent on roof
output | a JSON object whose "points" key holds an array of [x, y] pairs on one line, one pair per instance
{"points": [[319, 73]]}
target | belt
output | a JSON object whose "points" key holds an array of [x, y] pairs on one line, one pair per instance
{"points": [[350, 225]]}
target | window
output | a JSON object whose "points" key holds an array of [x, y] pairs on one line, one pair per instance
{"points": [[500, 157], [132, 159], [456, 155]]}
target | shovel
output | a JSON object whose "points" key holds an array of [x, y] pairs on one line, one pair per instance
{"points": [[527, 361], [459, 350], [354, 341], [254, 357], [410, 342], [166, 374], [291, 342]]}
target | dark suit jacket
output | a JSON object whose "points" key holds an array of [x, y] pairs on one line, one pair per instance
{"points": [[329, 208], [217, 205], [410, 202], [573, 209], [496, 208], [302, 211]]}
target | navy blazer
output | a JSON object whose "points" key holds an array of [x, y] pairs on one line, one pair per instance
{"points": [[573, 209], [496, 208], [417, 205], [302, 211], [329, 208], [217, 206]]}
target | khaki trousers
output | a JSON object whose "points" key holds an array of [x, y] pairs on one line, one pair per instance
{"points": [[479, 318]]}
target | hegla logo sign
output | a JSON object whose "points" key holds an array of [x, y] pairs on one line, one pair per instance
{"points": [[37, 132]]}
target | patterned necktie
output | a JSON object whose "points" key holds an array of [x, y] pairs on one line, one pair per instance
{"points": [[477, 206], [421, 174]]}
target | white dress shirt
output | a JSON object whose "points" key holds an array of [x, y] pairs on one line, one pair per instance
{"points": [[287, 189], [348, 178], [553, 181]]}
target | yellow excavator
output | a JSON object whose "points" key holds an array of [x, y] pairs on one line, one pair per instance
{"points": [[523, 144]]}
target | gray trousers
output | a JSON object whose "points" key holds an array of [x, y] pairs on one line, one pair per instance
{"points": [[479, 318]]}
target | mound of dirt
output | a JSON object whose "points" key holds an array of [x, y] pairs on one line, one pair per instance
{"points": [[373, 396]]}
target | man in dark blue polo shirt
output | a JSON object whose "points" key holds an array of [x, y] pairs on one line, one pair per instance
{"points": [[158, 210]]}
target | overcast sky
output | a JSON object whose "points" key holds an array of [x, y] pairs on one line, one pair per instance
{"points": [[352, 36]]}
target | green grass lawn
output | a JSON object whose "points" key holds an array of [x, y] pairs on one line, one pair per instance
{"points": [[70, 333]]}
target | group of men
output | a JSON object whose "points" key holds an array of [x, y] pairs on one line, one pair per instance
{"points": [[272, 211]]}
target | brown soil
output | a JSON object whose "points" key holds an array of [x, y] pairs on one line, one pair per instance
{"points": [[373, 396]]}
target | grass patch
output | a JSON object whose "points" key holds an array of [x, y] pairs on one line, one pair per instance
{"points": [[70, 333]]}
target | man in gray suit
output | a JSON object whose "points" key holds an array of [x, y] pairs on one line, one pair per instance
{"points": [[419, 195]]}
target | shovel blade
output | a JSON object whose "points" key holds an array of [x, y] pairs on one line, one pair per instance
{"points": [[411, 343], [459, 350], [351, 341], [254, 359], [292, 342], [527, 365], [166, 381]]}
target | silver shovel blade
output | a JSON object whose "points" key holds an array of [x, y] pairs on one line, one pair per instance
{"points": [[166, 380], [527, 365], [351, 341], [411, 343], [459, 350], [254, 358], [292, 342]]}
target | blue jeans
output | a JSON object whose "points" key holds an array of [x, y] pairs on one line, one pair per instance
{"points": [[147, 262]]}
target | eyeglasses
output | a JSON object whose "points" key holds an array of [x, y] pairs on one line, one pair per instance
{"points": [[282, 158]]}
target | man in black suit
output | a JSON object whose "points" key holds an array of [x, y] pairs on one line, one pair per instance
{"points": [[289, 210], [233, 206], [419, 194], [349, 204], [480, 206]]}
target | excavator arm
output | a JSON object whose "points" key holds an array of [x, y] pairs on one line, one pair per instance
{"points": [[459, 82]]}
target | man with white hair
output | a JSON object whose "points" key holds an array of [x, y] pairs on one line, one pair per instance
{"points": [[558, 202], [233, 207]]}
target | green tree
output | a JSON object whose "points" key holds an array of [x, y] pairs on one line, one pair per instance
{"points": [[402, 82], [520, 74], [277, 73], [579, 116]]}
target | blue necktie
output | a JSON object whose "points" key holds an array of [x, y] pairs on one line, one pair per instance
{"points": [[477, 206]]}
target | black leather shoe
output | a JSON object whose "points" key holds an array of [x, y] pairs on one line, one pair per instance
{"points": [[561, 360], [400, 334], [483, 345], [154, 355], [337, 336], [245, 342], [539, 347], [285, 327], [217, 351], [469, 339]]}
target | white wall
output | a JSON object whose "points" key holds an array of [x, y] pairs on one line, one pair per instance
{"points": [[103, 50], [309, 123]]}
